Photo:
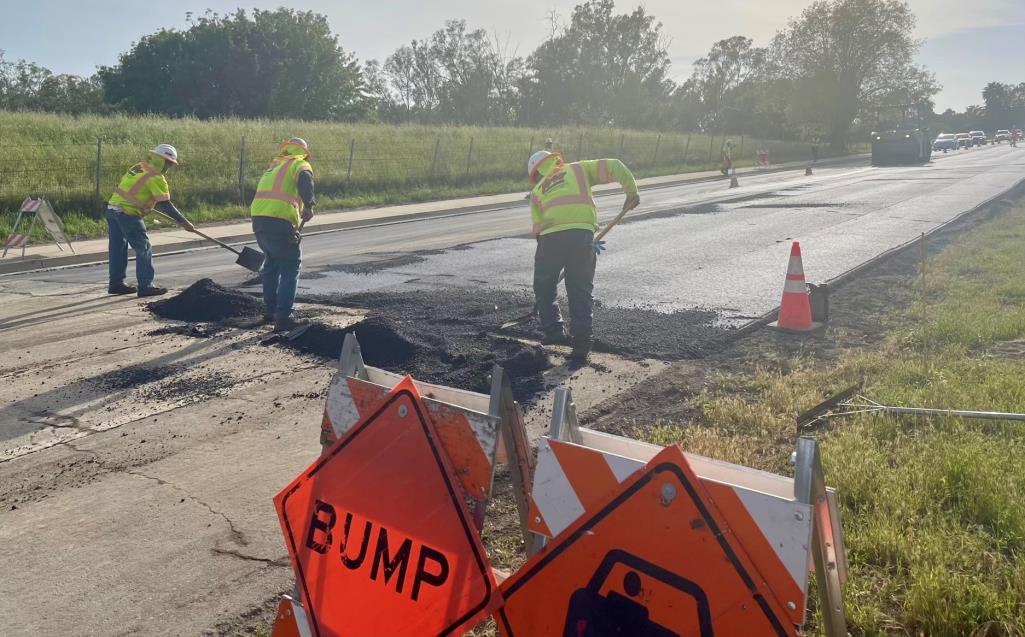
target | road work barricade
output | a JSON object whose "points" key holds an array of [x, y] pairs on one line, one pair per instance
{"points": [[716, 548], [624, 537], [393, 505], [40, 210]]}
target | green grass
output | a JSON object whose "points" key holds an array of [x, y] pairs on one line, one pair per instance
{"points": [[56, 157], [933, 508]]}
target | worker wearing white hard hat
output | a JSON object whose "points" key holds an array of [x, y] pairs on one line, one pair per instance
{"points": [[565, 219], [142, 190], [283, 197]]}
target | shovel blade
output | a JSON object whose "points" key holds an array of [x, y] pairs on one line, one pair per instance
{"points": [[250, 259]]}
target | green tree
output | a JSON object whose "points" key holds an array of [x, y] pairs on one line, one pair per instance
{"points": [[28, 86], [602, 69], [720, 78], [281, 63], [845, 57]]}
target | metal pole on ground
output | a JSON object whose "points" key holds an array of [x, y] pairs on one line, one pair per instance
{"points": [[686, 149], [711, 147], [99, 159], [352, 151], [580, 147], [434, 160], [242, 171], [469, 156], [654, 160]]}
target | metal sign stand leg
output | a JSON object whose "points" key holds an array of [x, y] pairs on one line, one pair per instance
{"points": [[517, 447], [810, 488], [14, 231]]}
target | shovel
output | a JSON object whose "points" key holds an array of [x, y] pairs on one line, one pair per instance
{"points": [[248, 258], [562, 275]]}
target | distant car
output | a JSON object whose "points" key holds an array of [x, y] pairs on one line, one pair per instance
{"points": [[978, 138], [1002, 136], [945, 142], [964, 140]]}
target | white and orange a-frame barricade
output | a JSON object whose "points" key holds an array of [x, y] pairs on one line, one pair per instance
{"points": [[772, 531], [476, 433], [40, 210]]}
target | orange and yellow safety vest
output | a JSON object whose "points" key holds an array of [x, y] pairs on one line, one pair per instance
{"points": [[563, 199], [141, 188], [277, 194]]}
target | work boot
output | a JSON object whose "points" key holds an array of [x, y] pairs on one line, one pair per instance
{"points": [[559, 337], [152, 290], [581, 350], [287, 324], [121, 288]]}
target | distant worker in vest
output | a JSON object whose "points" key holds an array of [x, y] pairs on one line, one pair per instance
{"points": [[565, 219], [283, 197], [143, 189]]}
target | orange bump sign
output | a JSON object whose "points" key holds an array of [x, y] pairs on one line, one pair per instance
{"points": [[655, 557], [378, 534]]}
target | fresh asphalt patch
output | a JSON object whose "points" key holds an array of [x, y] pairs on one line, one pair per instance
{"points": [[206, 301]]}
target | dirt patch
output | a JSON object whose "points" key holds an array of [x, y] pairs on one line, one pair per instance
{"points": [[134, 376], [457, 359], [206, 301]]}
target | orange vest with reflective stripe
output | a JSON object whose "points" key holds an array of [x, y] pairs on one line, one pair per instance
{"points": [[140, 189], [277, 194], [564, 201]]}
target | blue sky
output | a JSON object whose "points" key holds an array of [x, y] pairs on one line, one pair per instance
{"points": [[969, 43]]}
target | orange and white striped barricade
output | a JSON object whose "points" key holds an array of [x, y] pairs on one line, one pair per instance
{"points": [[41, 210], [787, 526]]}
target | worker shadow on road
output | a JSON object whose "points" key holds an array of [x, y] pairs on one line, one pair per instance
{"points": [[102, 392], [55, 313]]}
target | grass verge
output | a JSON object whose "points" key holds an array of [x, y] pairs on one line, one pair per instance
{"points": [[933, 508]]}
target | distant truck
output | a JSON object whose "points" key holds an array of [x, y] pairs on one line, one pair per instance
{"points": [[945, 142], [964, 140], [1001, 136], [978, 137], [900, 138]]}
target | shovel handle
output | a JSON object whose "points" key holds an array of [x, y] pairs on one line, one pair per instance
{"points": [[619, 217], [205, 236]]}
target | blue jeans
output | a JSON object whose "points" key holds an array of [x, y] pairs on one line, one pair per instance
{"points": [[123, 231], [276, 237]]}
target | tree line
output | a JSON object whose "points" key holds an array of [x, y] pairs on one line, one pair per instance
{"points": [[823, 76]]}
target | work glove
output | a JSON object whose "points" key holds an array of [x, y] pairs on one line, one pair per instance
{"points": [[598, 247], [307, 213]]}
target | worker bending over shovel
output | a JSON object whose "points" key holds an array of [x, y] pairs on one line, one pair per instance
{"points": [[284, 194], [565, 219], [142, 189]]}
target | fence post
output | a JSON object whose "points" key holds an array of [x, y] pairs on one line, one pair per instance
{"points": [[686, 149], [469, 156], [580, 147], [99, 158], [242, 171], [741, 154], [352, 150], [434, 160], [530, 146], [621, 139], [711, 147], [654, 160]]}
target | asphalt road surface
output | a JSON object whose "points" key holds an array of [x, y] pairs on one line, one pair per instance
{"points": [[137, 466]]}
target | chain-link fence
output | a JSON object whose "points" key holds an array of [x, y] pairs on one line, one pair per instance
{"points": [[79, 177]]}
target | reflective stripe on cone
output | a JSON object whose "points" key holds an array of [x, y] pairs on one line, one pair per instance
{"points": [[795, 308]]}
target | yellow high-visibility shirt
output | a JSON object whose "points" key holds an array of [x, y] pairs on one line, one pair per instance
{"points": [[277, 194], [141, 188], [563, 199]]}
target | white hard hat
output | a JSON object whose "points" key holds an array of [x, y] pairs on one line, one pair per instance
{"points": [[534, 160], [166, 151], [296, 141]]}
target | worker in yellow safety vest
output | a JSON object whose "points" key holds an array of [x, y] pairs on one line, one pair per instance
{"points": [[142, 190], [283, 197], [565, 219]]}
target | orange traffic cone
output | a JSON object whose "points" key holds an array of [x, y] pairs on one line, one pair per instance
{"points": [[795, 309]]}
